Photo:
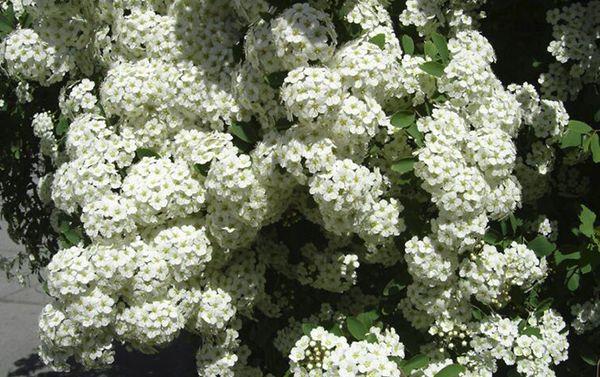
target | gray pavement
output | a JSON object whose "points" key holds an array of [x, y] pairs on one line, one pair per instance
{"points": [[20, 307]]}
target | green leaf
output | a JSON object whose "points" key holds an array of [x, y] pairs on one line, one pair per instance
{"points": [[308, 327], [595, 147], [275, 79], [597, 116], [541, 246], [408, 45], [243, 131], [433, 68], [571, 139], [451, 370], [573, 277], [579, 127], [587, 218], [589, 357], [5, 28], [202, 168], [402, 119], [72, 236], [62, 126], [430, 49], [378, 40], [531, 331], [393, 287], [336, 330], [405, 165], [477, 314], [417, 136], [146, 152], [368, 318], [415, 362], [356, 328], [442, 47], [560, 257]]}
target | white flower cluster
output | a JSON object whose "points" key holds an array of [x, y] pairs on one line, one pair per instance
{"points": [[193, 134], [587, 316], [322, 353], [533, 344], [576, 32]]}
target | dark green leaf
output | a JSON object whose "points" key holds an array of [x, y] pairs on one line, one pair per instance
{"points": [[308, 327], [587, 218], [368, 318], [72, 236], [477, 314], [146, 152], [405, 165], [430, 49], [573, 277], [356, 328], [408, 45], [451, 370], [595, 147], [243, 131], [275, 79], [202, 168], [531, 331], [415, 362], [541, 246], [393, 288], [560, 257], [589, 357], [597, 116], [402, 119], [417, 136], [442, 47], [433, 68], [336, 330], [578, 126], [378, 40], [62, 126]]}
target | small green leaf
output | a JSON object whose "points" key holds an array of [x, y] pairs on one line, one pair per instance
{"points": [[405, 165], [579, 127], [587, 218], [408, 45], [477, 314], [531, 331], [541, 246], [573, 277], [433, 68], [430, 49], [560, 257], [62, 126], [595, 147], [243, 131], [146, 152], [571, 139], [442, 47], [308, 327], [368, 318], [202, 168], [415, 362], [275, 79], [72, 236], [589, 358], [402, 119], [393, 287], [336, 330], [452, 370], [378, 40], [356, 328], [417, 136]]}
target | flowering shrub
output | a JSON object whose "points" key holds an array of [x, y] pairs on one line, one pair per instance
{"points": [[316, 188]]}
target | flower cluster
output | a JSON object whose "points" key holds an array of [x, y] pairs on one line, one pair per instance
{"points": [[220, 167]]}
